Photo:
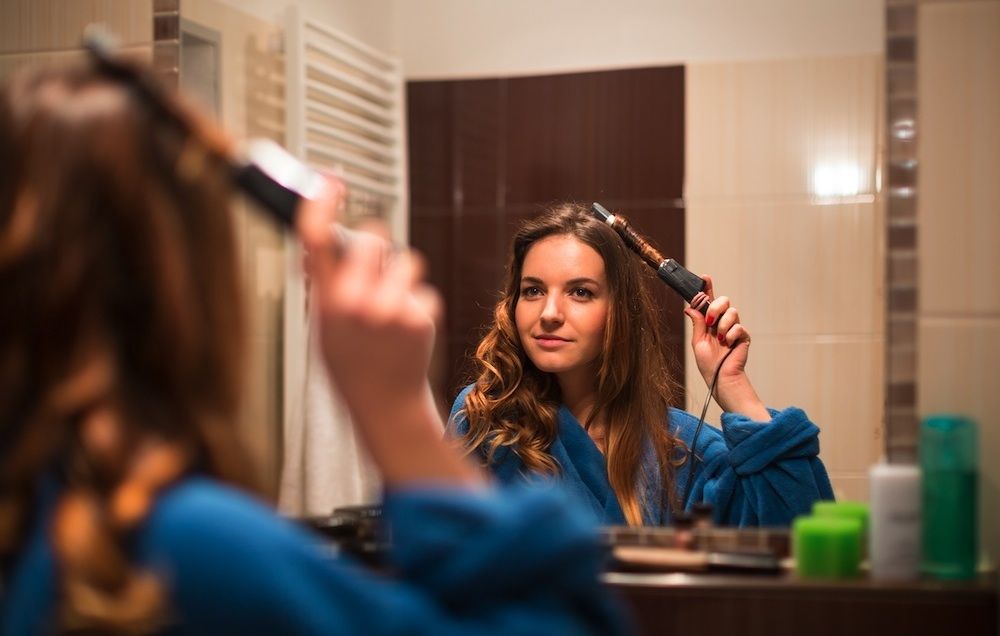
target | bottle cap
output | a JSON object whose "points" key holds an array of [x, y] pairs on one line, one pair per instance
{"points": [[948, 442]]}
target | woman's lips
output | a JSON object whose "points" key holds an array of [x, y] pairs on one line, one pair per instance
{"points": [[550, 342]]}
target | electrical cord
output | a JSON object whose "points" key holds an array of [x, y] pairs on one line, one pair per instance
{"points": [[701, 421]]}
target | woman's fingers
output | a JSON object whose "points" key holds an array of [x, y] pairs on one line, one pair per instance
{"points": [[726, 321], [736, 333], [358, 273], [709, 289], [313, 222], [429, 302], [316, 216], [391, 295], [698, 327], [716, 309]]}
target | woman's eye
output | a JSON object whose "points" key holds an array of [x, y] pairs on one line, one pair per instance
{"points": [[582, 292], [531, 292]]}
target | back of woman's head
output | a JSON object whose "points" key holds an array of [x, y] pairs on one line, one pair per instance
{"points": [[120, 314]]}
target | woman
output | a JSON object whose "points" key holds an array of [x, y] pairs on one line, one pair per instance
{"points": [[572, 382], [123, 488]]}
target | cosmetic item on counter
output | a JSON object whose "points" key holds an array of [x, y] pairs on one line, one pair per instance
{"points": [[848, 509], [647, 558], [704, 515], [650, 558], [826, 547], [683, 523], [894, 522], [949, 460]]}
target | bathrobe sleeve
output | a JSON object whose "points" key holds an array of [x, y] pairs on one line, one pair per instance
{"points": [[513, 561], [754, 473], [516, 561]]}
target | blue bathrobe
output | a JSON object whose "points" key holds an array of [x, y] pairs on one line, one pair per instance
{"points": [[505, 561], [753, 473]]}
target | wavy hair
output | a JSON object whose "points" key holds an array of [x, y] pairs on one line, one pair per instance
{"points": [[121, 329], [514, 404]]}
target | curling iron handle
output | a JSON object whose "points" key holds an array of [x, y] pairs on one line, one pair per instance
{"points": [[682, 281]]}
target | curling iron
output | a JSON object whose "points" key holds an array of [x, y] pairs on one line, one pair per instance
{"points": [[689, 286], [264, 171]]}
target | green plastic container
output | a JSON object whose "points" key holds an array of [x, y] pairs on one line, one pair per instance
{"points": [[827, 547], [949, 460]]}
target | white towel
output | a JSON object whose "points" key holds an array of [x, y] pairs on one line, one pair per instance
{"points": [[324, 465]]}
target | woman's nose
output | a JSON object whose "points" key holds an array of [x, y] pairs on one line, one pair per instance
{"points": [[552, 311]]}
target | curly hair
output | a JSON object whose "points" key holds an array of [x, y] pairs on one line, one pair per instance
{"points": [[514, 404], [121, 329]]}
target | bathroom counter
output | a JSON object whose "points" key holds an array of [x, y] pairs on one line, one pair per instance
{"points": [[709, 604]]}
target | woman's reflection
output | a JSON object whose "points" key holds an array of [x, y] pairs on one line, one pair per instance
{"points": [[572, 383]]}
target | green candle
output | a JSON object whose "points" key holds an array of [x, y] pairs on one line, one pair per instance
{"points": [[846, 509], [827, 547]]}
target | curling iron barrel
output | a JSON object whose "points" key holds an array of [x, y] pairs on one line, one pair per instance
{"points": [[688, 285]]}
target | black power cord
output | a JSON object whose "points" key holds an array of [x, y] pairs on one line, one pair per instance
{"points": [[701, 421]]}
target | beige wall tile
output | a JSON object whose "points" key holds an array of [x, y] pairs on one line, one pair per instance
{"points": [[260, 415], [252, 98], [765, 128], [959, 369], [958, 358], [959, 153], [804, 265], [9, 62], [47, 25], [837, 381], [850, 486], [48, 32], [793, 268]]}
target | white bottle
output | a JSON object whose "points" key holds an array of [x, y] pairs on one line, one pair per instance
{"points": [[894, 533]]}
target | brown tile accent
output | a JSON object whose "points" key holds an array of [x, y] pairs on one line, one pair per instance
{"points": [[902, 364], [902, 394], [166, 40], [902, 238], [166, 26], [901, 48], [902, 333], [902, 114], [902, 265], [901, 19], [902, 270], [902, 149], [904, 173], [902, 208], [166, 55], [902, 79], [903, 300]]}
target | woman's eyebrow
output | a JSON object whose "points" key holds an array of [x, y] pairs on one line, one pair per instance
{"points": [[580, 280]]}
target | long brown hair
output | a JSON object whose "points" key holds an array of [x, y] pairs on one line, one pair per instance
{"points": [[121, 327], [514, 404]]}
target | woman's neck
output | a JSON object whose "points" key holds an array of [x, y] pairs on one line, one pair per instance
{"points": [[580, 396]]}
